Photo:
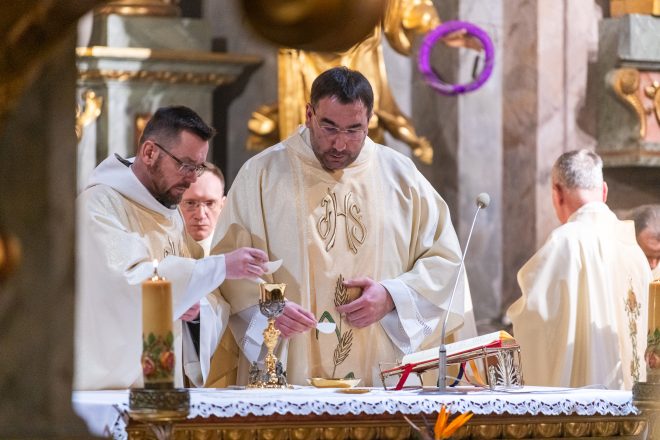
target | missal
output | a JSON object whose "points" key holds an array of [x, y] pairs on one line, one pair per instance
{"points": [[483, 347], [491, 340]]}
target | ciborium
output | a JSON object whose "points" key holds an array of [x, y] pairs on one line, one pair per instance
{"points": [[271, 304]]}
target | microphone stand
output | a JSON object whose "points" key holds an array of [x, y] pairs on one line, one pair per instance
{"points": [[482, 202]]}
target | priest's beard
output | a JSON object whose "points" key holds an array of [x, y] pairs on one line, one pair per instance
{"points": [[161, 191]]}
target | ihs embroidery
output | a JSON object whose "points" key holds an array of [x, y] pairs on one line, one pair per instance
{"points": [[326, 226], [633, 310]]}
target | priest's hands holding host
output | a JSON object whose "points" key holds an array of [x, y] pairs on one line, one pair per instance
{"points": [[369, 308]]}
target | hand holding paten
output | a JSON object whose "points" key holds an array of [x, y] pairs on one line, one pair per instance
{"points": [[374, 303], [294, 320], [245, 263]]}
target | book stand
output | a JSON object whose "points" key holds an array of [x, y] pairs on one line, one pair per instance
{"points": [[494, 368]]}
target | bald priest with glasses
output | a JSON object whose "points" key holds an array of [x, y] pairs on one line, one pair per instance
{"points": [[128, 217], [345, 215]]}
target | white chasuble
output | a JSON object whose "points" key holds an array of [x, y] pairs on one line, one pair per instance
{"points": [[121, 229], [582, 318], [377, 218]]}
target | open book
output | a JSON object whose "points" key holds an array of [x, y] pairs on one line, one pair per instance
{"points": [[490, 340], [457, 352]]}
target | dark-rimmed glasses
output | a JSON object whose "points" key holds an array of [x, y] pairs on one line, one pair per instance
{"points": [[331, 131], [184, 168]]}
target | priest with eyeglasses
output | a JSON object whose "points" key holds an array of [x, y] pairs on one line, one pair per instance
{"points": [[127, 218]]}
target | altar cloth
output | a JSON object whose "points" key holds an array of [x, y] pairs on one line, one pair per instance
{"points": [[106, 412]]}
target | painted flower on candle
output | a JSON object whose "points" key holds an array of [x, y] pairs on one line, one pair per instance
{"points": [[167, 360], [652, 354], [148, 366], [158, 356]]}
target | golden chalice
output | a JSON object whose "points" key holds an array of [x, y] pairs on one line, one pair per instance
{"points": [[271, 304]]}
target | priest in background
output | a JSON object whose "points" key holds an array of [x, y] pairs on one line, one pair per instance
{"points": [[128, 217], [344, 214], [582, 318], [201, 206], [647, 228]]}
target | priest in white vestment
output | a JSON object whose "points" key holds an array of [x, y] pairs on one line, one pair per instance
{"points": [[341, 211], [582, 318], [128, 217]]}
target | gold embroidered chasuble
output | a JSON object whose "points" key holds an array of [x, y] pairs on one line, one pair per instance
{"points": [[377, 218], [582, 318]]}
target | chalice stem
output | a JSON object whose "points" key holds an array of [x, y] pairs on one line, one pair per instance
{"points": [[271, 335]]}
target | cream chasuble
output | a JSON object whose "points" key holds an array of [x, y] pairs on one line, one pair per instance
{"points": [[121, 229], [582, 318], [377, 218]]}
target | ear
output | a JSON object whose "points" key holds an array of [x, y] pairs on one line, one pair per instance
{"points": [[148, 152], [557, 195], [605, 189], [222, 202], [309, 112]]}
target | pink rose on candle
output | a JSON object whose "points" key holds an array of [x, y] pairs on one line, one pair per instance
{"points": [[167, 360], [148, 366]]}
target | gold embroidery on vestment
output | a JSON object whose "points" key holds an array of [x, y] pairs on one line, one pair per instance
{"points": [[326, 226]]}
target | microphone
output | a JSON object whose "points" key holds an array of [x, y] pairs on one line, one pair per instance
{"points": [[483, 200]]}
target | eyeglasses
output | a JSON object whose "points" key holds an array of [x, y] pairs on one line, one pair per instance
{"points": [[352, 134], [184, 168], [193, 205]]}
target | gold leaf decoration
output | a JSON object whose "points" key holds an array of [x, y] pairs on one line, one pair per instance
{"points": [[343, 349]]}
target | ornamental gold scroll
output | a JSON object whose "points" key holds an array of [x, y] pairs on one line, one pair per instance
{"points": [[640, 92]]}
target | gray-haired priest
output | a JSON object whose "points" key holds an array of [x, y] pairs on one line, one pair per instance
{"points": [[582, 318]]}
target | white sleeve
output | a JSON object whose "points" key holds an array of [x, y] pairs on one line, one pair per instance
{"points": [[191, 279], [247, 327], [413, 319]]}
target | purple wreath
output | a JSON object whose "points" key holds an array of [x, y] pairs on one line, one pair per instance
{"points": [[424, 59]]}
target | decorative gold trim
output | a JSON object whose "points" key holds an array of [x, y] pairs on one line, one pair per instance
{"points": [[352, 428], [168, 77], [652, 91], [89, 113], [158, 8], [143, 53], [625, 83]]}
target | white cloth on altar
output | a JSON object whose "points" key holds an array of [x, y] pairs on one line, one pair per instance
{"points": [[122, 228], [104, 411], [281, 201], [571, 321]]}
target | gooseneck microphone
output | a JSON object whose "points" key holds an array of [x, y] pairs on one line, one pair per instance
{"points": [[483, 200]]}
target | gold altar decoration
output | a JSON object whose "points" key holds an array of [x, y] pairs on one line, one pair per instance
{"points": [[646, 395], [88, 113], [622, 7], [402, 22], [271, 305], [625, 83], [28, 35], [394, 427], [157, 8], [323, 25]]}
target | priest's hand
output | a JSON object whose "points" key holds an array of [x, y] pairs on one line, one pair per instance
{"points": [[191, 314], [374, 303], [294, 320], [245, 263]]}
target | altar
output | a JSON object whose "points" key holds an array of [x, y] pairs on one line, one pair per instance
{"points": [[310, 413]]}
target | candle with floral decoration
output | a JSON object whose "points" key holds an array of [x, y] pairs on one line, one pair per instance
{"points": [[157, 336], [652, 355]]}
